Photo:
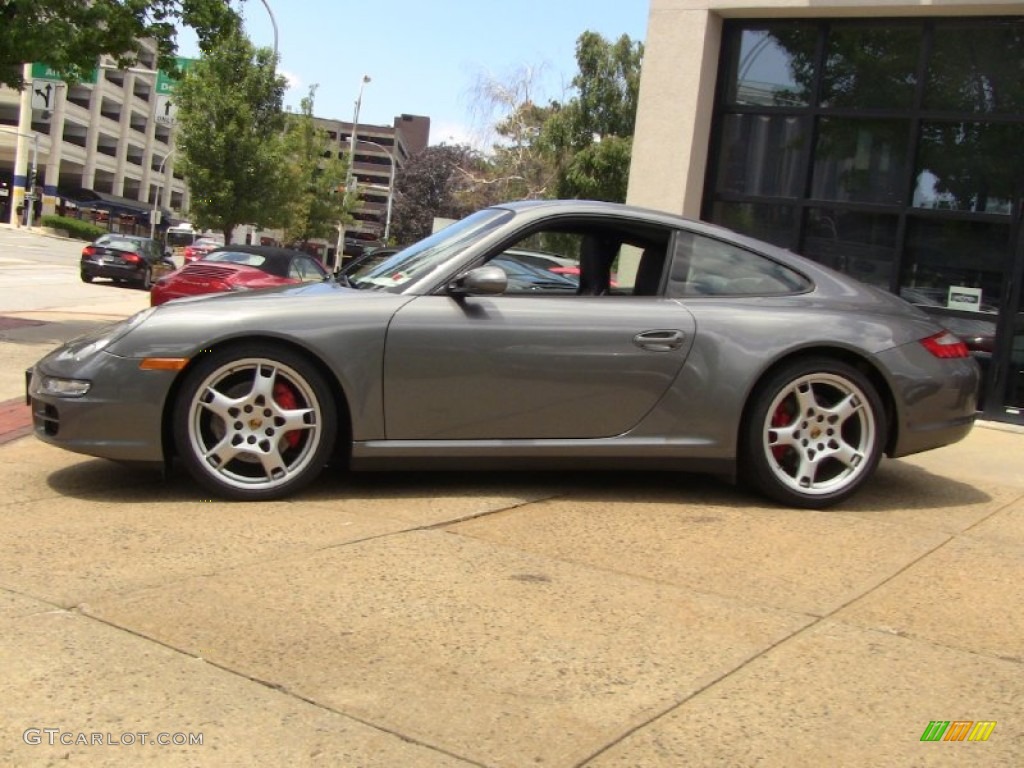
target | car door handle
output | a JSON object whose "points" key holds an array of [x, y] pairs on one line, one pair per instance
{"points": [[660, 341]]}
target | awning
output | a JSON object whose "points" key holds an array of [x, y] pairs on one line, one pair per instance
{"points": [[90, 198]]}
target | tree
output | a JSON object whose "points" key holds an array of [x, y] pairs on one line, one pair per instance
{"points": [[70, 35], [589, 140], [230, 137], [441, 182], [318, 201]]}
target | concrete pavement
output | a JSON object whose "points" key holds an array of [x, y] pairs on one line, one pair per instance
{"points": [[505, 619]]}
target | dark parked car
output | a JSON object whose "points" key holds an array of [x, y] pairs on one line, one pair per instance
{"points": [[714, 352], [238, 268], [125, 258]]}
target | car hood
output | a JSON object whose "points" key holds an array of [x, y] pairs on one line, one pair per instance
{"points": [[311, 314]]}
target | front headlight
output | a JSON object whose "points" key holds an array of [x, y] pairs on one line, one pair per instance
{"points": [[59, 387]]}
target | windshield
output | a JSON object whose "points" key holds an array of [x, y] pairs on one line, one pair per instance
{"points": [[179, 238], [422, 257]]}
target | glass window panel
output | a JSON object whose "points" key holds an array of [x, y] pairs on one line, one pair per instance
{"points": [[969, 166], [704, 266], [760, 155], [871, 67], [1013, 397], [862, 245], [977, 68], [954, 264], [771, 223], [771, 66], [860, 160]]}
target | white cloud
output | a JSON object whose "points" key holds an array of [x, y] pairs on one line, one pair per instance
{"points": [[447, 132]]}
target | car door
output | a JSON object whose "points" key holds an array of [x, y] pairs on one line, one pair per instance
{"points": [[530, 366]]}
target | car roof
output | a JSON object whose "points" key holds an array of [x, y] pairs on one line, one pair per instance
{"points": [[263, 250]]}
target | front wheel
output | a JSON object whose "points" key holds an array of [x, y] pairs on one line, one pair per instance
{"points": [[816, 432], [251, 424]]}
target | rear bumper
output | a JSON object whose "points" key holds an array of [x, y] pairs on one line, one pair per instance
{"points": [[112, 271], [936, 400]]}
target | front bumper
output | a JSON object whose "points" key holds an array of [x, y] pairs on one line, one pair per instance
{"points": [[120, 417]]}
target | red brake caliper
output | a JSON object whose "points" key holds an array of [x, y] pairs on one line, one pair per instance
{"points": [[284, 396], [780, 418]]}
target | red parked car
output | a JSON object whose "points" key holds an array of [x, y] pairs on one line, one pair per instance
{"points": [[238, 268], [200, 247]]}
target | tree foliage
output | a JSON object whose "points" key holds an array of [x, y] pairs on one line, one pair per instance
{"points": [[231, 137], [437, 182], [70, 35], [317, 202], [589, 140]]}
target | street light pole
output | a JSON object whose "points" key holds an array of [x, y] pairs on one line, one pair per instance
{"points": [[349, 173], [273, 23], [391, 186], [156, 201]]}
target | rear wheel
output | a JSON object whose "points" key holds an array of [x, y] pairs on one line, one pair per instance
{"points": [[147, 278], [86, 278], [816, 432], [252, 423]]}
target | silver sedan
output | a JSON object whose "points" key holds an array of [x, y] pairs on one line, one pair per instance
{"points": [[661, 343]]}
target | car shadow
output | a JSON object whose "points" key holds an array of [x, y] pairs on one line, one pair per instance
{"points": [[896, 485]]}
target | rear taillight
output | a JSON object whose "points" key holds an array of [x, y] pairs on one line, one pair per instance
{"points": [[945, 345], [131, 258], [88, 251]]}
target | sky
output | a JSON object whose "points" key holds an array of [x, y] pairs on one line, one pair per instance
{"points": [[427, 58]]}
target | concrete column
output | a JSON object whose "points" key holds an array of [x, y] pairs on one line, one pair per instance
{"points": [[19, 189], [92, 137], [673, 125], [56, 152]]}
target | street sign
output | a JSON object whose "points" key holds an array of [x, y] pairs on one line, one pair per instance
{"points": [[44, 94], [166, 109], [165, 84], [41, 71]]}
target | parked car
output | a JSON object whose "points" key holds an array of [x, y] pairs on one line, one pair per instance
{"points": [[719, 354], [238, 268], [200, 247], [124, 258]]}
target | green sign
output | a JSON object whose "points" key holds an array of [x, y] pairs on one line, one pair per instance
{"points": [[165, 84], [41, 71]]}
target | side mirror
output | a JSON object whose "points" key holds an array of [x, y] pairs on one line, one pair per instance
{"points": [[488, 281]]}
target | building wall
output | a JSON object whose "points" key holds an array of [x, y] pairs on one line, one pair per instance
{"points": [[677, 85], [101, 136]]}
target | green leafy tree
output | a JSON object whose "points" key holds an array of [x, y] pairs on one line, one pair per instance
{"points": [[231, 138], [318, 201], [589, 140], [70, 35]]}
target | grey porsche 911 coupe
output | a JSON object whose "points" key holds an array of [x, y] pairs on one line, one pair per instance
{"points": [[666, 344]]}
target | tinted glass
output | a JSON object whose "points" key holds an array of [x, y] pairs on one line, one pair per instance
{"points": [[771, 66], [760, 155], [871, 67], [977, 68], [704, 266], [862, 245], [860, 160], [955, 264], [969, 166], [771, 223]]}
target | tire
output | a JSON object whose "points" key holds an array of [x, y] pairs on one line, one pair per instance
{"points": [[147, 278], [232, 418], [816, 431], [86, 278]]}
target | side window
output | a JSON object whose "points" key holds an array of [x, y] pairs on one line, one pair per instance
{"points": [[586, 259], [704, 266], [304, 270]]}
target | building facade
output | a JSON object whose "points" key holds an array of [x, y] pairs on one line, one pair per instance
{"points": [[380, 152], [883, 139], [100, 143], [105, 148]]}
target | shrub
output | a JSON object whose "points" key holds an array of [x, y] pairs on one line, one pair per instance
{"points": [[81, 230]]}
